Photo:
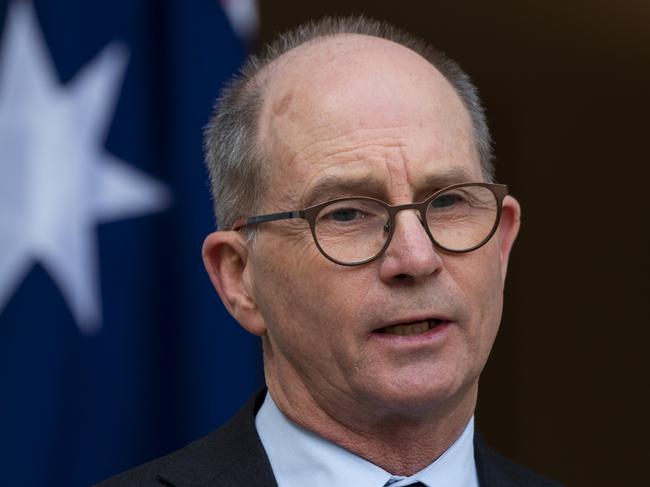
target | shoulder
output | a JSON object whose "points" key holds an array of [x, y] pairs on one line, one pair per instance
{"points": [[496, 470], [156, 472], [230, 455], [143, 476]]}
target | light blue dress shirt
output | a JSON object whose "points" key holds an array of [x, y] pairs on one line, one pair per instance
{"points": [[301, 458]]}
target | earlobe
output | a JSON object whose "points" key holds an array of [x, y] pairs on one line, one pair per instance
{"points": [[508, 230], [225, 256]]}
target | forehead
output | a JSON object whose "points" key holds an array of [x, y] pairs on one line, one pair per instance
{"points": [[361, 107]]}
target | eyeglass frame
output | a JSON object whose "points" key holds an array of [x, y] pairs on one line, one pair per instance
{"points": [[500, 191]]}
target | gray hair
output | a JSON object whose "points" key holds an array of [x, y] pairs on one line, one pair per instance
{"points": [[236, 163]]}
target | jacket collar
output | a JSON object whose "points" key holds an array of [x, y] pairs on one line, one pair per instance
{"points": [[231, 455]]}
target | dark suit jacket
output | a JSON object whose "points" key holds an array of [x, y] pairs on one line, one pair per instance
{"points": [[233, 456]]}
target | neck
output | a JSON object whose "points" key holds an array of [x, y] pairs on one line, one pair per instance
{"points": [[402, 441]]}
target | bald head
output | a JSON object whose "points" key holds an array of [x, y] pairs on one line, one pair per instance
{"points": [[350, 86], [318, 68]]}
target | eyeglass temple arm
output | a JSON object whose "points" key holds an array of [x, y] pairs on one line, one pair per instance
{"points": [[285, 215]]}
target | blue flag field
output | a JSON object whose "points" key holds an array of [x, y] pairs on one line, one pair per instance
{"points": [[114, 348]]}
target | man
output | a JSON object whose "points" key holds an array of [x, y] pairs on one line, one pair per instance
{"points": [[362, 240]]}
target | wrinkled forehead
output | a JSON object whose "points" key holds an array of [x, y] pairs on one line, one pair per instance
{"points": [[350, 84]]}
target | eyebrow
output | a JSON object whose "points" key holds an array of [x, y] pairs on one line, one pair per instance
{"points": [[334, 186], [455, 175]]}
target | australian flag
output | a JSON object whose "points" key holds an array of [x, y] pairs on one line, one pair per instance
{"points": [[114, 348]]}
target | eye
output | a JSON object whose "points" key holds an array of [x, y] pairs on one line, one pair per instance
{"points": [[346, 214], [447, 200], [351, 213]]}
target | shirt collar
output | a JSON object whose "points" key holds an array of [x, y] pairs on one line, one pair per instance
{"points": [[301, 457]]}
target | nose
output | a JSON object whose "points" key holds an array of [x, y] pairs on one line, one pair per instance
{"points": [[411, 254]]}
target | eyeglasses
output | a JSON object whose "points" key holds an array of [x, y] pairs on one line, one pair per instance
{"points": [[356, 230]]}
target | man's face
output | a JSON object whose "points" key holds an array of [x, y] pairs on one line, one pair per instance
{"points": [[358, 116]]}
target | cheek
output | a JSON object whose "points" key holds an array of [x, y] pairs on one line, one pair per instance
{"points": [[478, 277], [304, 301]]}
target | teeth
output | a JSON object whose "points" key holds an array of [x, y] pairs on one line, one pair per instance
{"points": [[410, 329]]}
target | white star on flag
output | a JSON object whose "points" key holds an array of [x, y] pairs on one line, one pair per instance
{"points": [[57, 182], [243, 16]]}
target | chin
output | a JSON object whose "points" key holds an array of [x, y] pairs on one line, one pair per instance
{"points": [[416, 396]]}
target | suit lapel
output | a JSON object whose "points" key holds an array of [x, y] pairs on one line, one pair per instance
{"points": [[495, 470], [231, 455]]}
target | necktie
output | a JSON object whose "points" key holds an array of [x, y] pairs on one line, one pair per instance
{"points": [[416, 484]]}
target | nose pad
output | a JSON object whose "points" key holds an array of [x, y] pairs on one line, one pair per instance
{"points": [[411, 254], [387, 226], [423, 228]]}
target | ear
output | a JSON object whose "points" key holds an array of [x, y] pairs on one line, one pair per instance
{"points": [[508, 230], [225, 256]]}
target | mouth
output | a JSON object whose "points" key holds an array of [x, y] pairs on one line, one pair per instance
{"points": [[411, 329]]}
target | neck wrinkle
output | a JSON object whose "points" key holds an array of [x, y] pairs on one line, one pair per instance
{"points": [[399, 445]]}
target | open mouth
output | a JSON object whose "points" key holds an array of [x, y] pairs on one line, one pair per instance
{"points": [[410, 329]]}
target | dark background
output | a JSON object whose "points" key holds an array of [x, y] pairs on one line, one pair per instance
{"points": [[566, 90]]}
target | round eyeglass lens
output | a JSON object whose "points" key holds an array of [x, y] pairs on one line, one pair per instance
{"points": [[351, 230], [462, 218]]}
